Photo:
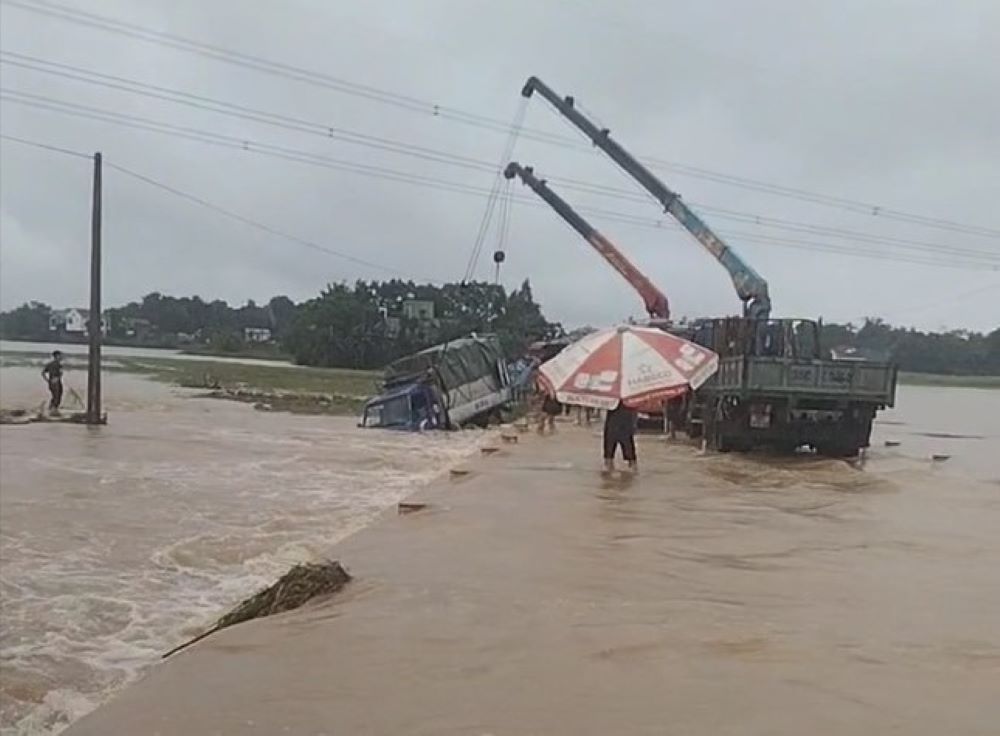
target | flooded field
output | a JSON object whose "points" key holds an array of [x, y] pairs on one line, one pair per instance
{"points": [[120, 542], [78, 353]]}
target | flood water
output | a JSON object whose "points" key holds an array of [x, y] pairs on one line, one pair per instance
{"points": [[117, 543]]}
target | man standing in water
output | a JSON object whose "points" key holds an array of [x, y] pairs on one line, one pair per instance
{"points": [[52, 373], [619, 431]]}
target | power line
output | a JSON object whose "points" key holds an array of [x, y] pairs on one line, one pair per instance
{"points": [[251, 222], [209, 205], [924, 307], [478, 164], [46, 146], [804, 245], [268, 66], [241, 112], [405, 177], [455, 114]]}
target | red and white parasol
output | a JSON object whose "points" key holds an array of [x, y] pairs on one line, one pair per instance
{"points": [[636, 366]]}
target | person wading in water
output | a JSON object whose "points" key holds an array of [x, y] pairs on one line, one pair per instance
{"points": [[52, 373], [619, 431]]}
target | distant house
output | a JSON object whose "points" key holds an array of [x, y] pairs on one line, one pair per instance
{"points": [[74, 321], [421, 310], [257, 334]]}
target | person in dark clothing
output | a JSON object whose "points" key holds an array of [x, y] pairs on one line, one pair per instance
{"points": [[551, 408], [619, 431], [52, 373]]}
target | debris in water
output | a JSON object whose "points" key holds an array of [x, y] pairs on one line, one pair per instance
{"points": [[511, 438], [409, 507], [293, 589], [458, 472], [940, 458], [892, 443], [489, 450]]}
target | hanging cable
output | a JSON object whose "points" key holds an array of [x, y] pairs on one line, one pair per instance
{"points": [[498, 179], [500, 251]]}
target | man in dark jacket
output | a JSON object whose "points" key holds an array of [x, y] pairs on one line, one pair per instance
{"points": [[52, 373], [619, 431]]}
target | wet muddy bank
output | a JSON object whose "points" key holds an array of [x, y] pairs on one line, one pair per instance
{"points": [[293, 403]]}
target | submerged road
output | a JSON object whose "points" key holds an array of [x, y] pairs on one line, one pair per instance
{"points": [[709, 595]]}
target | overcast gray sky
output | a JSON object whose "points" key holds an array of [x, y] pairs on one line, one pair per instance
{"points": [[889, 102]]}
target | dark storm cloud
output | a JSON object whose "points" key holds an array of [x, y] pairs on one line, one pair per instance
{"points": [[887, 102]]}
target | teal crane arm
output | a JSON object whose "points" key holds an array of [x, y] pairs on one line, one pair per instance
{"points": [[750, 286]]}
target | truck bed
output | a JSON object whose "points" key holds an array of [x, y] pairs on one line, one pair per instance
{"points": [[856, 380]]}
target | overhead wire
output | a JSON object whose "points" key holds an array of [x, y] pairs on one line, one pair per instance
{"points": [[432, 154], [405, 177], [329, 251], [937, 304], [45, 146], [270, 229], [414, 104], [305, 242]]}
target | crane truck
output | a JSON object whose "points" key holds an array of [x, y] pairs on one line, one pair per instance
{"points": [[776, 386]]}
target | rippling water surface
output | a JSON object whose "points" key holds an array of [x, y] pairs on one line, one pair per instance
{"points": [[117, 543]]}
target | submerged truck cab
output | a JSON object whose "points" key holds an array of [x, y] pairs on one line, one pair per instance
{"points": [[447, 386], [413, 407]]}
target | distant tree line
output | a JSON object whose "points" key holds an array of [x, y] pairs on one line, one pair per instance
{"points": [[956, 352], [364, 325], [370, 323]]}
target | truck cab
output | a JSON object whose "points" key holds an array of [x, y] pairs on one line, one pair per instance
{"points": [[457, 383], [412, 407]]}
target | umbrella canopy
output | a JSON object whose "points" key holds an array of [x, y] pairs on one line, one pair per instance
{"points": [[636, 366]]}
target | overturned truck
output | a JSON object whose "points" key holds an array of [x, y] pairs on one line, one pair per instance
{"points": [[447, 386]]}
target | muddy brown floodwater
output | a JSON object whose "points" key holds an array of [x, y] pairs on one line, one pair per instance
{"points": [[119, 542], [710, 595]]}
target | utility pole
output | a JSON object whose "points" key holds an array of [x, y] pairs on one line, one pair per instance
{"points": [[94, 415]]}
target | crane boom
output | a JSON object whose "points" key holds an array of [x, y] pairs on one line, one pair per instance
{"points": [[750, 286], [654, 299]]}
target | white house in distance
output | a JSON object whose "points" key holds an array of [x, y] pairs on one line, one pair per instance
{"points": [[74, 321]]}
